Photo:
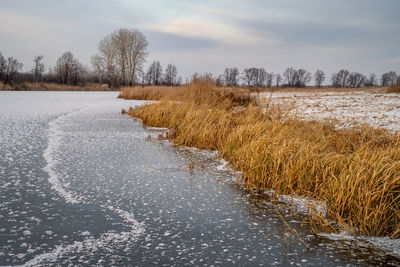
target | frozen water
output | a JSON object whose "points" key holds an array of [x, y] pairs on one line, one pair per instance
{"points": [[81, 185]]}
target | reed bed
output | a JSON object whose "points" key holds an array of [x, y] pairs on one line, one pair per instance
{"points": [[394, 89], [44, 86], [151, 92], [355, 171]]}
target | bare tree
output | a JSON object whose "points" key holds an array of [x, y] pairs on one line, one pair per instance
{"points": [[171, 74], [69, 70], [38, 69], [278, 79], [372, 80], [120, 39], [255, 77], [290, 75], [389, 78], [219, 81], [269, 79], [179, 82], [249, 76], [105, 63], [136, 54], [356, 80], [98, 68], [319, 78], [12, 68], [261, 77], [121, 57], [154, 74], [231, 76], [3, 63], [302, 78], [340, 79]]}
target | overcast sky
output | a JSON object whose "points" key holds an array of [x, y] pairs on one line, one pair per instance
{"points": [[209, 35]]}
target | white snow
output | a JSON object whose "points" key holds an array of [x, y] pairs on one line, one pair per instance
{"points": [[343, 108]]}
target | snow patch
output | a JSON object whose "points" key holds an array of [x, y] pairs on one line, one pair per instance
{"points": [[54, 141], [386, 244], [108, 241]]}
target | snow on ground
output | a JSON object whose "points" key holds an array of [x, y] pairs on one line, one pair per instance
{"points": [[345, 109]]}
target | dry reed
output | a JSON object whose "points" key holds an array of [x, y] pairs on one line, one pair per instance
{"points": [[394, 89], [151, 92], [356, 171], [43, 86]]}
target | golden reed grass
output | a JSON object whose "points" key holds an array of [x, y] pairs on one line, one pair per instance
{"points": [[356, 171]]}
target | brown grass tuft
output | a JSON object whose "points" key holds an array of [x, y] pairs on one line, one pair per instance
{"points": [[356, 171]]}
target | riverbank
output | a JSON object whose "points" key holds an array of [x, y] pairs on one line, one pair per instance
{"points": [[356, 170], [43, 86]]}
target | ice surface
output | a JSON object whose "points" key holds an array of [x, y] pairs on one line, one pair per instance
{"points": [[81, 185]]}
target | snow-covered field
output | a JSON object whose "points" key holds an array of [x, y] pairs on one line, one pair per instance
{"points": [[343, 108]]}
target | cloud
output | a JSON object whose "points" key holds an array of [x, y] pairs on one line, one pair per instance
{"points": [[207, 30], [209, 35], [169, 42]]}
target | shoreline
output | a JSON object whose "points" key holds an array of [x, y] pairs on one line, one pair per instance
{"points": [[295, 157]]}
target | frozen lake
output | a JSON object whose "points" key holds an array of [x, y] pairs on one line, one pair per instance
{"points": [[82, 184]]}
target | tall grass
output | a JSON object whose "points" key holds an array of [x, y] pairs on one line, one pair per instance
{"points": [[151, 92], [394, 89], [356, 171]]}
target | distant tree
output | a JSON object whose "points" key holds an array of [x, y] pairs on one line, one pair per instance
{"points": [[171, 75], [319, 78], [12, 68], [226, 77], [340, 79], [154, 74], [3, 63], [136, 54], [105, 62], [261, 77], [38, 69], [231, 77], [303, 78], [356, 80], [179, 82], [254, 77], [278, 79], [269, 79], [290, 76], [219, 81], [248, 76], [121, 57], [69, 70], [389, 78], [371, 80]]}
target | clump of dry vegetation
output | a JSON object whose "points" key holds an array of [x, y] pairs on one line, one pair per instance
{"points": [[4, 86], [394, 89], [151, 92], [61, 87], [356, 171], [43, 86]]}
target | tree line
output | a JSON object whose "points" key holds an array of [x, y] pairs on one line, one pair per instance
{"points": [[122, 55], [291, 77]]}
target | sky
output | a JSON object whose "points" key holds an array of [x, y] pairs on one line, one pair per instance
{"points": [[210, 35]]}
